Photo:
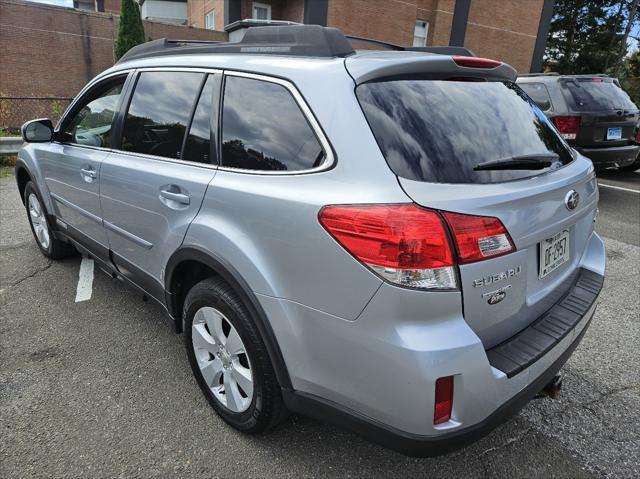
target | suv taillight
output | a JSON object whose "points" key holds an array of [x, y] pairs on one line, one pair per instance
{"points": [[410, 245], [478, 237], [638, 135], [568, 126]]}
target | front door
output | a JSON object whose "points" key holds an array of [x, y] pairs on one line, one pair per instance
{"points": [[71, 164], [153, 186]]}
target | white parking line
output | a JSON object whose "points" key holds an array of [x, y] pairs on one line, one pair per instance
{"points": [[85, 280], [618, 188]]}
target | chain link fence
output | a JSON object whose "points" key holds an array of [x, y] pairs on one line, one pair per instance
{"points": [[15, 110]]}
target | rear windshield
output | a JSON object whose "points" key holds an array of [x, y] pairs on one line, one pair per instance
{"points": [[438, 131], [595, 94]]}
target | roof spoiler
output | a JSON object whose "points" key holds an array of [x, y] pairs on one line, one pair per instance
{"points": [[439, 50]]}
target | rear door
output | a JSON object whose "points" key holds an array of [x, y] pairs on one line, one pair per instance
{"points": [[607, 114], [153, 185], [434, 134]]}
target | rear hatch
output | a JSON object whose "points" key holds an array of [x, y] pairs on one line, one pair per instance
{"points": [[435, 133], [607, 114]]}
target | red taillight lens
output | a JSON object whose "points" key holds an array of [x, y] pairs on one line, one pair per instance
{"points": [[638, 135], [568, 126], [405, 244], [444, 400], [478, 237], [475, 62]]}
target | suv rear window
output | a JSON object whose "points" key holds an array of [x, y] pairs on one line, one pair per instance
{"points": [[438, 131], [595, 94], [538, 93]]}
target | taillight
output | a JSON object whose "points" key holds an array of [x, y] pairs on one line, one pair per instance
{"points": [[568, 126], [405, 244], [475, 62], [478, 237], [638, 135], [410, 245], [444, 400]]}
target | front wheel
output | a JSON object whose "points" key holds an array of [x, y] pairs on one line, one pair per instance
{"points": [[229, 358], [49, 246]]}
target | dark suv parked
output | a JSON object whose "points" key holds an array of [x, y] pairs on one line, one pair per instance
{"points": [[592, 112]]}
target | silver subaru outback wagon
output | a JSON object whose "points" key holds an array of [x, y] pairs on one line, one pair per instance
{"points": [[399, 242]]}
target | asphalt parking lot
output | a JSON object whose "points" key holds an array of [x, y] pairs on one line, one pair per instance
{"points": [[103, 388]]}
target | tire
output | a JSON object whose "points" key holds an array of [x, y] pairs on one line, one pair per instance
{"points": [[632, 167], [211, 306], [42, 232]]}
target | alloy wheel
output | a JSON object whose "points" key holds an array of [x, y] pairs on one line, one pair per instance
{"points": [[222, 358], [39, 221]]}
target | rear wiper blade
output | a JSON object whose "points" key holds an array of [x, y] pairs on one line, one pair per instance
{"points": [[523, 162]]}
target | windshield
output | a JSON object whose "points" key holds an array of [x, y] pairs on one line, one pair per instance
{"points": [[595, 94], [439, 131]]}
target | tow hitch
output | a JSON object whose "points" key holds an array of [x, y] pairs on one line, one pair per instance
{"points": [[552, 389]]}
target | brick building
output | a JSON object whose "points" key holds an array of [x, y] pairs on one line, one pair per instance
{"points": [[52, 52], [508, 30]]}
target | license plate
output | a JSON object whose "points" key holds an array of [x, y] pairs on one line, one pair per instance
{"points": [[614, 133], [553, 253]]}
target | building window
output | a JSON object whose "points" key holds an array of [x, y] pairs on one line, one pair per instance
{"points": [[420, 33], [261, 11], [210, 20]]}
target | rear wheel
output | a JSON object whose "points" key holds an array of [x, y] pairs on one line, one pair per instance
{"points": [[632, 167], [48, 244], [229, 359]]}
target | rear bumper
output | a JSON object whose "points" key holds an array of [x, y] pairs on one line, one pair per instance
{"points": [[376, 375], [427, 446], [608, 157]]}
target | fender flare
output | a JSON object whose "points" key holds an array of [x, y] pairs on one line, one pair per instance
{"points": [[240, 286]]}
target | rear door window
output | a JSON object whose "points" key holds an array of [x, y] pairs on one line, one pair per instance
{"points": [[438, 131], [595, 94], [159, 112], [538, 93], [264, 129]]}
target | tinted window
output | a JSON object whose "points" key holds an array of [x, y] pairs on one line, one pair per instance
{"points": [[593, 94], [91, 125], [198, 145], [264, 129], [438, 131], [538, 93], [159, 112]]}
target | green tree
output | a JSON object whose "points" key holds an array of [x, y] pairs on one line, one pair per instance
{"points": [[590, 37], [130, 29]]}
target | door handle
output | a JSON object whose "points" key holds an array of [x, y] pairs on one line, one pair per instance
{"points": [[89, 173], [177, 197]]}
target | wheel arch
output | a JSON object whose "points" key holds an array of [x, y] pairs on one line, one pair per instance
{"points": [[181, 263], [22, 178]]}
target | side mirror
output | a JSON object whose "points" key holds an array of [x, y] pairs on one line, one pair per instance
{"points": [[37, 131]]}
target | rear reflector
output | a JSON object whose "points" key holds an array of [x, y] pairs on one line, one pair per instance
{"points": [[444, 400], [478, 237], [475, 62], [567, 126], [405, 244]]}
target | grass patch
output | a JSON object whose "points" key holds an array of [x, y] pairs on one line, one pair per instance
{"points": [[6, 172], [8, 160]]}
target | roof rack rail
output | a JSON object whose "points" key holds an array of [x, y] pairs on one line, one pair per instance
{"points": [[547, 74], [298, 40], [440, 50]]}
